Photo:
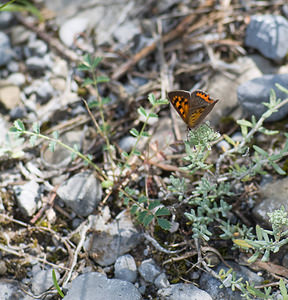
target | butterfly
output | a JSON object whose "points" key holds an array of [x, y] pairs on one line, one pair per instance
{"points": [[192, 107]]}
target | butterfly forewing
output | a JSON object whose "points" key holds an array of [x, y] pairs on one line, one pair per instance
{"points": [[180, 100]]}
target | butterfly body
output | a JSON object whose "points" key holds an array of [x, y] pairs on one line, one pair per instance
{"points": [[192, 107]]}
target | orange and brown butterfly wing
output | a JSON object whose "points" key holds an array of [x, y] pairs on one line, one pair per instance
{"points": [[180, 100], [200, 106]]}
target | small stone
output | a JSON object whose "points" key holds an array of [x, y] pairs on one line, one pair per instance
{"points": [[71, 29], [58, 83], [125, 32], [10, 290], [127, 143], [17, 112], [125, 268], [27, 197], [183, 291], [6, 52], [10, 96], [17, 79], [149, 270], [20, 35], [161, 281], [37, 48], [44, 92], [268, 34], [36, 64], [237, 137], [110, 240], [6, 19], [274, 195], [60, 67], [94, 285], [12, 67], [252, 93], [3, 268], [82, 192], [223, 145]]}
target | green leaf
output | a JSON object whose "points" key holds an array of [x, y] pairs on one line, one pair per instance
{"points": [[36, 128], [242, 243], [153, 204], [101, 79], [96, 61], [87, 60], [266, 255], [107, 184], [56, 284], [134, 132], [126, 201], [133, 209], [141, 216], [256, 292], [93, 104], [152, 99], [282, 286], [229, 140], [142, 112], [275, 156], [90, 157], [163, 223], [136, 152], [153, 115], [244, 123], [260, 151], [18, 124], [52, 145], [83, 67], [163, 211], [147, 220], [281, 88], [124, 154], [55, 135], [76, 147], [253, 258], [142, 199], [278, 169], [106, 100], [32, 140], [145, 134], [162, 102], [87, 81], [259, 232], [267, 131]]}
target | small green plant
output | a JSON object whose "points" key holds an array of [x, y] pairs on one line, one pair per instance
{"points": [[267, 241], [249, 291], [55, 282], [145, 209], [21, 6]]}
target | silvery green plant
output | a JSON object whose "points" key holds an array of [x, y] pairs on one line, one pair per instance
{"points": [[267, 241], [260, 158]]}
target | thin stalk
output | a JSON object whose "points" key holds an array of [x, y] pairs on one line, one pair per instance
{"points": [[104, 133], [247, 137], [138, 138], [72, 150]]}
